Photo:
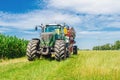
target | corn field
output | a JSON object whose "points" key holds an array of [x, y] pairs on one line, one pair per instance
{"points": [[12, 47]]}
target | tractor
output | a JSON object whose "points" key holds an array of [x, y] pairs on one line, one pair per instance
{"points": [[56, 40]]}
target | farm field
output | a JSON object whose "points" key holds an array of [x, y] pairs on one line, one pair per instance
{"points": [[87, 65]]}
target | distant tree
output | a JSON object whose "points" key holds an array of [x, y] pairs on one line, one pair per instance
{"points": [[115, 46], [112, 47], [97, 48], [94, 48], [107, 47]]}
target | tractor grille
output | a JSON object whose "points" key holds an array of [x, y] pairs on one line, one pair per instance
{"points": [[46, 36]]}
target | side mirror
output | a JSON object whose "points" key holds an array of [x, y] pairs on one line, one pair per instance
{"points": [[36, 27], [42, 27]]}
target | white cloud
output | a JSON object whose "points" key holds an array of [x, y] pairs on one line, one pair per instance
{"points": [[100, 22], [88, 6], [90, 32], [29, 32], [100, 34], [51, 15], [114, 24], [2, 29], [29, 20]]}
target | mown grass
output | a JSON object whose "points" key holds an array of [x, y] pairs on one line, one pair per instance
{"points": [[87, 65]]}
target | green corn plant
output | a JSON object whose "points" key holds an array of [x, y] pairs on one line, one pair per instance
{"points": [[12, 47]]}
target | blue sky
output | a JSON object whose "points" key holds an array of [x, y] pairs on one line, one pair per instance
{"points": [[96, 22]]}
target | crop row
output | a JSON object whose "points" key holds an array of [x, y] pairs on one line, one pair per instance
{"points": [[12, 47]]}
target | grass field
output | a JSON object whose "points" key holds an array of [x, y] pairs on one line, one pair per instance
{"points": [[87, 65]]}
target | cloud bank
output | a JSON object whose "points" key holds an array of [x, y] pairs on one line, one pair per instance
{"points": [[29, 20], [88, 6]]}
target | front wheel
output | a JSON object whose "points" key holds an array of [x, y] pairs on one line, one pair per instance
{"points": [[32, 49], [60, 50]]}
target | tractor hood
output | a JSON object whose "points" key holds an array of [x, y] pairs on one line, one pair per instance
{"points": [[47, 39]]}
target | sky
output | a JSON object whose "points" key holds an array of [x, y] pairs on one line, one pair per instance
{"points": [[96, 22]]}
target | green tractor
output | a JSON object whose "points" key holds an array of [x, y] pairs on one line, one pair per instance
{"points": [[56, 41]]}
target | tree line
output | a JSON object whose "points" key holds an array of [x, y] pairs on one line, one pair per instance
{"points": [[115, 46]]}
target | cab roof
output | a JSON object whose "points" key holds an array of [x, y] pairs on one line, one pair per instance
{"points": [[54, 24]]}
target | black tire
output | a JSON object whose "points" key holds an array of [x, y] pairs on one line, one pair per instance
{"points": [[60, 50], [67, 54], [32, 49], [75, 52]]}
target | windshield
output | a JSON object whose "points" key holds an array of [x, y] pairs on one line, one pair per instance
{"points": [[51, 28]]}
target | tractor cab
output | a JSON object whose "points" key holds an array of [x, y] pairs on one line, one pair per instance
{"points": [[51, 33], [52, 28]]}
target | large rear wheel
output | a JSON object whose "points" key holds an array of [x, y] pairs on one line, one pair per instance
{"points": [[32, 49], [75, 52], [60, 50]]}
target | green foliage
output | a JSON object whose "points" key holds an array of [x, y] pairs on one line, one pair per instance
{"points": [[115, 46], [87, 65], [12, 47]]}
